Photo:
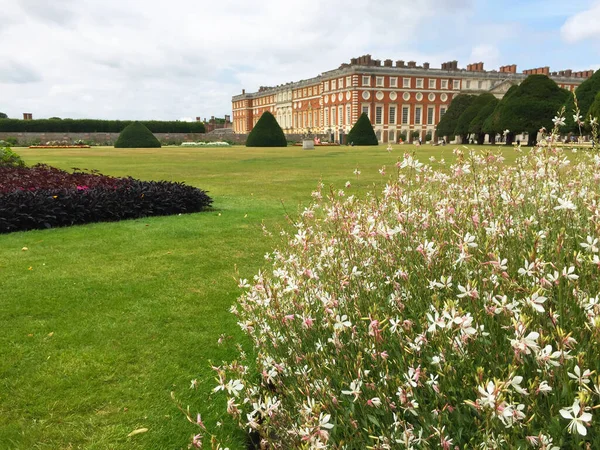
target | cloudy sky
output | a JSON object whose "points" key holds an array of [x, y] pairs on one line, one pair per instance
{"points": [[151, 59]]}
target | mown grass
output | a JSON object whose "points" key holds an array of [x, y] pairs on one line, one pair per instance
{"points": [[100, 323]]}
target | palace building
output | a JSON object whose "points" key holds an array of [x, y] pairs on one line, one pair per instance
{"points": [[400, 98]]}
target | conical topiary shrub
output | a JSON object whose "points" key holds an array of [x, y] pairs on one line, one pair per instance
{"points": [[137, 135], [362, 132], [266, 133]]}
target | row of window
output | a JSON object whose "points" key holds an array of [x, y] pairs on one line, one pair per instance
{"points": [[306, 92], [432, 83], [335, 116], [264, 100], [405, 114], [337, 84], [419, 83], [306, 119]]}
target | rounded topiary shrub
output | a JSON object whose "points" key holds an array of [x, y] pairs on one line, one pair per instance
{"points": [[362, 132], [266, 133], [137, 135], [448, 311]]}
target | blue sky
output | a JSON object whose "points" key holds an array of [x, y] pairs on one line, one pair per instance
{"points": [[149, 59]]}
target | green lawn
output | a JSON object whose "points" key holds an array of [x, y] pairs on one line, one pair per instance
{"points": [[101, 322]]}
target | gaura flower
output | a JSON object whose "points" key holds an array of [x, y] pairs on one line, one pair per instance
{"points": [[578, 421]]}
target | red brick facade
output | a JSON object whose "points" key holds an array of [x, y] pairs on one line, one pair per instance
{"points": [[400, 99]]}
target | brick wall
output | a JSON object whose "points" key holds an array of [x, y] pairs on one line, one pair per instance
{"points": [[100, 138], [26, 139]]}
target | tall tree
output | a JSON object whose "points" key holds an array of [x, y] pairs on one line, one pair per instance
{"points": [[464, 120], [586, 93], [492, 125], [3, 116], [476, 125], [532, 106], [594, 110], [447, 124]]}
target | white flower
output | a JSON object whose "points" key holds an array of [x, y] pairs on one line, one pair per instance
{"points": [[544, 387], [582, 378], [590, 245], [558, 121], [341, 322], [376, 401], [324, 421], [570, 273], [234, 387], [536, 301], [525, 344], [487, 395], [565, 204], [547, 357], [354, 389], [577, 421], [469, 240], [527, 269], [395, 325], [515, 382]]}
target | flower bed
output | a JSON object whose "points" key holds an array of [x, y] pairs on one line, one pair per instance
{"points": [[458, 308], [60, 146], [206, 144], [46, 197]]}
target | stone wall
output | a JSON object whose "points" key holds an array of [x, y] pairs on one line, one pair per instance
{"points": [[93, 138], [25, 139]]}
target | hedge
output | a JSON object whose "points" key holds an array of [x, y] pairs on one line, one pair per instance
{"points": [[136, 135], [362, 132], [95, 126], [266, 133]]}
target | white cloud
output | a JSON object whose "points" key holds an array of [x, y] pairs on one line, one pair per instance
{"points": [[185, 58], [488, 54], [583, 25]]}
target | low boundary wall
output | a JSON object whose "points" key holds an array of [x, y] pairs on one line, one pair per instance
{"points": [[30, 138]]}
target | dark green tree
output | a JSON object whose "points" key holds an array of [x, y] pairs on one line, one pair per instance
{"points": [[362, 132], [137, 135], [586, 93], [464, 120], [594, 110], [476, 125], [3, 116], [532, 106], [448, 123], [492, 125], [266, 133]]}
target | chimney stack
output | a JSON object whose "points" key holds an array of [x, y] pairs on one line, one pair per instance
{"points": [[426, 65]]}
